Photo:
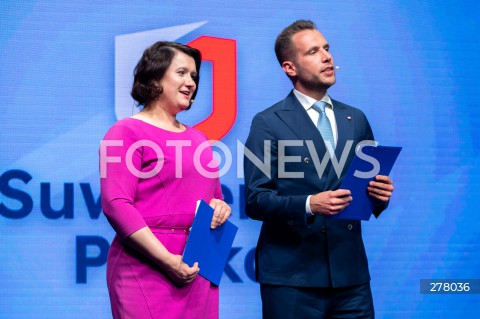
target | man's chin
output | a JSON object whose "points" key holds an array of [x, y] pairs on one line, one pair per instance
{"points": [[330, 81], [325, 84]]}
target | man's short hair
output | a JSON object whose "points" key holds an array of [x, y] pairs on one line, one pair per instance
{"points": [[284, 49]]}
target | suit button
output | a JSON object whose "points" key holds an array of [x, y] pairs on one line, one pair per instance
{"points": [[350, 226], [323, 230]]}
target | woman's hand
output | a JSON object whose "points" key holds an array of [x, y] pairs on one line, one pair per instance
{"points": [[145, 242], [221, 212], [180, 272]]}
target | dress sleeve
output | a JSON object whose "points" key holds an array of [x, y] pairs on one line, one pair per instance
{"points": [[218, 190], [119, 179]]}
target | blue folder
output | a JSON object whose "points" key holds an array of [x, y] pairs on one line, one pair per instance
{"points": [[362, 205], [209, 247]]}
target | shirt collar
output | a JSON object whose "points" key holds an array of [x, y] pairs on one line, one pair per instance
{"points": [[307, 101]]}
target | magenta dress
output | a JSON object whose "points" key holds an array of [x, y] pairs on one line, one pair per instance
{"points": [[164, 200]]}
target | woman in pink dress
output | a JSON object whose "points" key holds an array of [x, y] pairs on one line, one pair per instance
{"points": [[153, 170]]}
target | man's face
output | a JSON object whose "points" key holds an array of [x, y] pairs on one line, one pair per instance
{"points": [[313, 64]]}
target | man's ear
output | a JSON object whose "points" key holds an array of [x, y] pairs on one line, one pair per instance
{"points": [[289, 68]]}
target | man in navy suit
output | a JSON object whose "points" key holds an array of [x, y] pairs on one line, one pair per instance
{"points": [[308, 266]]}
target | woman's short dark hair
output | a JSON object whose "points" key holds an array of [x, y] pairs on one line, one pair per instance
{"points": [[152, 67], [284, 49]]}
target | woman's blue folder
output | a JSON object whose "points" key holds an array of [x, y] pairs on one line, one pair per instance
{"points": [[209, 247]]}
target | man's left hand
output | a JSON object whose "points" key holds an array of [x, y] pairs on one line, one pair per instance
{"points": [[381, 188]]}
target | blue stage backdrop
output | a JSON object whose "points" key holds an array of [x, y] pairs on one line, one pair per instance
{"points": [[65, 73]]}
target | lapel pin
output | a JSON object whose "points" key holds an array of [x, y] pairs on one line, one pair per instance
{"points": [[349, 118]]}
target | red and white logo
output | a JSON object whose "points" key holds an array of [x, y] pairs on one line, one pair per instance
{"points": [[220, 52]]}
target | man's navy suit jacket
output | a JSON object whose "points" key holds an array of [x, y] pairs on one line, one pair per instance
{"points": [[293, 249]]}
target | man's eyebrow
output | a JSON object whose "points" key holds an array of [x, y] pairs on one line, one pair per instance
{"points": [[315, 47]]}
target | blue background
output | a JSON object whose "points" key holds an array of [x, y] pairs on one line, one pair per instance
{"points": [[411, 66]]}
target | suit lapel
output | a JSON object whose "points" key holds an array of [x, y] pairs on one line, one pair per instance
{"points": [[296, 118], [344, 120]]}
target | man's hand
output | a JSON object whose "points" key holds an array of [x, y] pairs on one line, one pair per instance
{"points": [[381, 188], [330, 203]]}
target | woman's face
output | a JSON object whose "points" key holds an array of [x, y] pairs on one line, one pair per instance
{"points": [[178, 84]]}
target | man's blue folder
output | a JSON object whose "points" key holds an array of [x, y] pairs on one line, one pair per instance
{"points": [[357, 178], [209, 247]]}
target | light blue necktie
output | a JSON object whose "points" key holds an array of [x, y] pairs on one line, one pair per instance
{"points": [[323, 123]]}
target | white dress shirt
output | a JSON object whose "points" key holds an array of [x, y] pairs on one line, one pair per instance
{"points": [[307, 103]]}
